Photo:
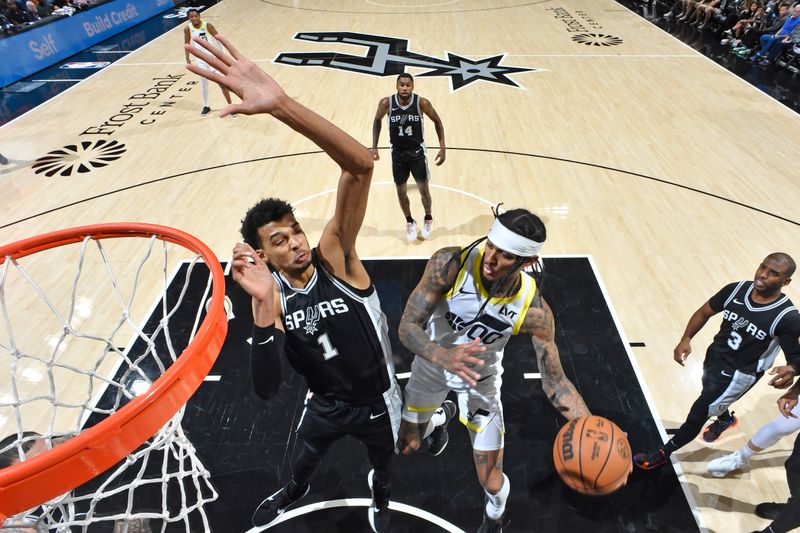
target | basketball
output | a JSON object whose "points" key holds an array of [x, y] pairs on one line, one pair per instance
{"points": [[592, 455]]}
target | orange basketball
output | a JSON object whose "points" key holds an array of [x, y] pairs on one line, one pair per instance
{"points": [[592, 455]]}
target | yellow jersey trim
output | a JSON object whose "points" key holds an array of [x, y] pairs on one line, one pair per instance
{"points": [[459, 279], [525, 306], [415, 409]]}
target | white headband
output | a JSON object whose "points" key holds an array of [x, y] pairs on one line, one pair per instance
{"points": [[511, 242]]}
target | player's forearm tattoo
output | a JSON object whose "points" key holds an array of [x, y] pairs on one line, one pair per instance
{"points": [[439, 274], [559, 390]]}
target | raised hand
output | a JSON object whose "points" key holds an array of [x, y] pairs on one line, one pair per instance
{"points": [[258, 91], [252, 273]]}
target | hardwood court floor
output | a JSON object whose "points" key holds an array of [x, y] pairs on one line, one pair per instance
{"points": [[674, 175]]}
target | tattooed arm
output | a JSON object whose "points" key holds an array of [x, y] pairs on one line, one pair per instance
{"points": [[440, 275], [541, 326]]}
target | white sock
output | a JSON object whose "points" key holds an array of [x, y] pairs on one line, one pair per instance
{"points": [[496, 503], [746, 453], [204, 91]]}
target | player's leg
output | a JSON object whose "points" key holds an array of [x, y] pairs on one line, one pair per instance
{"points": [[377, 427], [785, 516], [482, 413], [421, 173], [721, 387], [320, 426], [422, 412], [766, 436], [400, 173]]}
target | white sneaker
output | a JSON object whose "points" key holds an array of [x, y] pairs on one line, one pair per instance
{"points": [[427, 228], [723, 466], [411, 231]]}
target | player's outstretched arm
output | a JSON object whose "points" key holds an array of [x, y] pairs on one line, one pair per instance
{"points": [[383, 108], [440, 275], [427, 108], [696, 323], [540, 325], [260, 93]]}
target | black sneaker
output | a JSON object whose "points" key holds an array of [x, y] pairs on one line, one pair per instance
{"points": [[378, 513], [718, 427], [769, 510], [489, 525], [206, 110], [274, 506], [652, 459], [438, 439]]}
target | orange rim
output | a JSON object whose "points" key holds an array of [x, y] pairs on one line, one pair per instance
{"points": [[26, 485]]}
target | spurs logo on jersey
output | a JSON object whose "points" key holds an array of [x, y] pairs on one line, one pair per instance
{"points": [[310, 316], [455, 320], [743, 323]]}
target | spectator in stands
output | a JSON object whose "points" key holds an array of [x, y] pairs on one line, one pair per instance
{"points": [[692, 10], [748, 39], [14, 14], [749, 18], [774, 44], [30, 10]]}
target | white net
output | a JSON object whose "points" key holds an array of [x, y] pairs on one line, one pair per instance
{"points": [[84, 329]]}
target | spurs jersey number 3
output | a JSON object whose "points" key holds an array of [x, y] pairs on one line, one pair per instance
{"points": [[456, 321], [336, 337]]}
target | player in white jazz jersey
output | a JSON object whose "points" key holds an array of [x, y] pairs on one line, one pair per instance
{"points": [[458, 320], [201, 29]]}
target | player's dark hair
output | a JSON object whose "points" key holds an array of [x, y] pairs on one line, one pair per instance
{"points": [[264, 212], [405, 75], [11, 455], [192, 10]]}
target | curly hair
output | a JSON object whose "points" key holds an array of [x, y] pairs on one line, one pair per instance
{"points": [[262, 213]]}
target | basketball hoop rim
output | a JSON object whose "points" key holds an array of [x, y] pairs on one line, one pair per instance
{"points": [[26, 485]]}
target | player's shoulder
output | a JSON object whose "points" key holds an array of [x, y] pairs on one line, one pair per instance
{"points": [[446, 254]]}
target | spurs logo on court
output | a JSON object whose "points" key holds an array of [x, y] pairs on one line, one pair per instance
{"points": [[596, 39], [390, 56], [80, 159]]}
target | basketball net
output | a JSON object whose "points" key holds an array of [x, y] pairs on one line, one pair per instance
{"points": [[95, 337]]}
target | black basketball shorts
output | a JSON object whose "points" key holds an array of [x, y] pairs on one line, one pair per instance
{"points": [[412, 161]]}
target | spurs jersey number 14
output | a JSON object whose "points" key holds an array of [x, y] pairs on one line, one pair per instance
{"points": [[405, 124], [455, 320]]}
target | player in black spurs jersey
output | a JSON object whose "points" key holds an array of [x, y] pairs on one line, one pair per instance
{"points": [[407, 137], [757, 321], [319, 306]]}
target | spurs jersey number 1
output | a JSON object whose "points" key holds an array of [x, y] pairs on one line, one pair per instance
{"points": [[336, 337], [455, 320]]}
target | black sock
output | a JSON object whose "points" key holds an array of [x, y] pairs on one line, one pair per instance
{"points": [[409, 219], [428, 216]]}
